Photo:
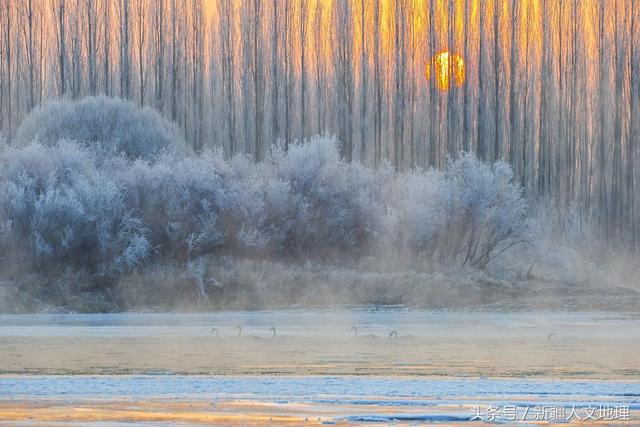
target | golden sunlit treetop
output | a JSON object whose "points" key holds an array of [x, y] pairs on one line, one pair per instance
{"points": [[448, 70]]}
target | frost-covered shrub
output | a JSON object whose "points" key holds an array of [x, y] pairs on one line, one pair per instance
{"points": [[466, 214], [112, 123], [261, 207], [67, 211], [28, 172], [484, 211], [417, 201], [197, 205], [179, 201], [329, 196]]}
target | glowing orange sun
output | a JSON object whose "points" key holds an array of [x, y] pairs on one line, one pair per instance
{"points": [[449, 70]]}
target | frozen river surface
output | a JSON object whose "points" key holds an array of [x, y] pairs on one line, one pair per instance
{"points": [[284, 388], [326, 400]]}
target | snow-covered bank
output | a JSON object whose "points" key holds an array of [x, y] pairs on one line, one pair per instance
{"points": [[228, 283]]}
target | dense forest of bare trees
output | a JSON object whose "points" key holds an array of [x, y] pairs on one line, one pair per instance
{"points": [[552, 86]]}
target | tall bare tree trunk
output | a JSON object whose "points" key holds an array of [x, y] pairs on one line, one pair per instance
{"points": [[513, 70], [275, 76], [634, 98], [497, 148], [377, 126], [481, 144], [363, 83], [303, 68], [141, 27]]}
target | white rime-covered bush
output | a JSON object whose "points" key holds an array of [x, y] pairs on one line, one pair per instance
{"points": [[69, 205], [66, 211], [115, 124], [484, 212], [466, 214], [330, 198]]}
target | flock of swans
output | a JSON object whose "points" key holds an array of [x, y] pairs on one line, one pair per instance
{"points": [[392, 335]]}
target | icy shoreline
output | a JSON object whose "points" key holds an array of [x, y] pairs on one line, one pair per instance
{"points": [[327, 400]]}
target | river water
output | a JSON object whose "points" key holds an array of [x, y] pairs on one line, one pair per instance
{"points": [[325, 323], [229, 368]]}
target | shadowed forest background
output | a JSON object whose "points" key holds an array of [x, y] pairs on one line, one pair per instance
{"points": [[550, 87]]}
